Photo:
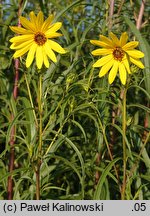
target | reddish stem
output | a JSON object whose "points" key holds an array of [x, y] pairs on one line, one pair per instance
{"points": [[139, 20], [12, 134], [138, 26], [97, 173], [13, 130], [111, 12], [11, 162]]}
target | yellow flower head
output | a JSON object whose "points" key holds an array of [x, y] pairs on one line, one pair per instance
{"points": [[35, 38], [117, 56]]}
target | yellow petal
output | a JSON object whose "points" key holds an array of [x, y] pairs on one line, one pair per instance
{"points": [[39, 56], [27, 24], [106, 68], [49, 52], [32, 18], [130, 45], [21, 45], [113, 72], [122, 73], [40, 20], [123, 39], [52, 34], [107, 41], [126, 64], [19, 30], [31, 54], [100, 43], [46, 62], [137, 62], [135, 53], [56, 47], [102, 51], [22, 38], [22, 51], [103, 61], [55, 27], [114, 39], [47, 23]]}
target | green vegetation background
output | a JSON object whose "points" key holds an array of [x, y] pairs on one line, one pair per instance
{"points": [[82, 116]]}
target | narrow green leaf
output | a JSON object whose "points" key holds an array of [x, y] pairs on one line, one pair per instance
{"points": [[102, 179]]}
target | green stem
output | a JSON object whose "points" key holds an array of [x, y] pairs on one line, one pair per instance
{"points": [[40, 114], [108, 147], [109, 151], [56, 135], [124, 143], [31, 101], [40, 106]]}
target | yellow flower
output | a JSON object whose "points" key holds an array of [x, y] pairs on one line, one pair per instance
{"points": [[35, 38], [117, 56]]}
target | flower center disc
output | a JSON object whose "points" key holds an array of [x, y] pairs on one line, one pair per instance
{"points": [[118, 53], [40, 38]]}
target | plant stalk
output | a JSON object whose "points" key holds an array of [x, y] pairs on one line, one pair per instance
{"points": [[111, 12], [12, 136], [124, 143], [13, 130], [40, 105], [140, 16]]}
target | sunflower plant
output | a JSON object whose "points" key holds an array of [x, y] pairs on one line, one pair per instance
{"points": [[36, 38], [118, 55]]}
